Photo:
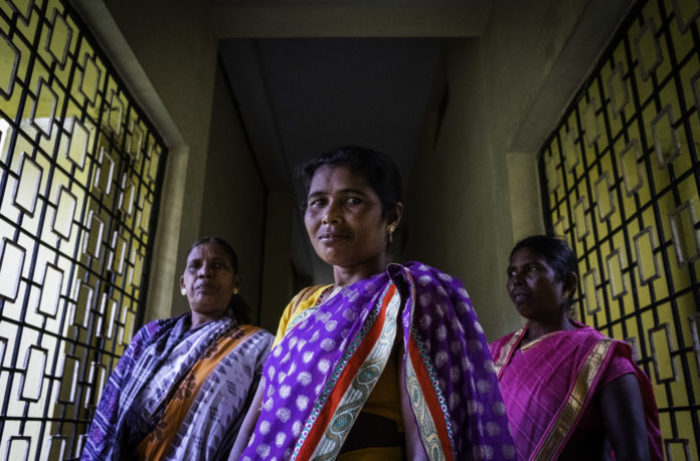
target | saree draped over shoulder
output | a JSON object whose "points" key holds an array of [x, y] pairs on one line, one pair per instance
{"points": [[178, 393], [317, 379], [550, 387]]}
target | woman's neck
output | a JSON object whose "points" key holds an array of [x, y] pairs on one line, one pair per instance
{"points": [[197, 319], [537, 329], [343, 276]]}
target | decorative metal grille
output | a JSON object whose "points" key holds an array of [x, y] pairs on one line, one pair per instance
{"points": [[80, 169], [621, 183]]}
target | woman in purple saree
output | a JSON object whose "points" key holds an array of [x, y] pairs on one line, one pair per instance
{"points": [[386, 363], [183, 385], [570, 392]]}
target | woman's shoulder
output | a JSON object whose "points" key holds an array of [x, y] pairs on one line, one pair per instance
{"points": [[586, 339], [431, 278], [256, 330], [585, 333], [418, 266], [305, 296], [497, 344], [308, 292], [438, 275], [156, 328]]}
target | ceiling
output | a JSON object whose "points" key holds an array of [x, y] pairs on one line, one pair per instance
{"points": [[311, 76], [300, 97]]}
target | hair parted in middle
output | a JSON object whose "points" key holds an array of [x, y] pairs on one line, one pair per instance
{"points": [[378, 168]]}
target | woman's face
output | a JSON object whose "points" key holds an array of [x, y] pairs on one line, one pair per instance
{"points": [[344, 218], [536, 291], [209, 280]]}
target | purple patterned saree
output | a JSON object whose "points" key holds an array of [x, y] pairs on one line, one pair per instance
{"points": [[319, 377], [178, 393]]}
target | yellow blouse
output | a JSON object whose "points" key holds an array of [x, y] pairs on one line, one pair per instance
{"points": [[385, 398]]}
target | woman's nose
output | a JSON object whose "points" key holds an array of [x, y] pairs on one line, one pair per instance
{"points": [[516, 278], [205, 270], [332, 215], [330, 219]]}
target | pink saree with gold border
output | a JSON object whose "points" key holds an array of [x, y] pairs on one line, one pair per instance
{"points": [[548, 385]]}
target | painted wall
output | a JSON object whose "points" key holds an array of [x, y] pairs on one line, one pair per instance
{"points": [[233, 198], [164, 34], [458, 218], [471, 188]]}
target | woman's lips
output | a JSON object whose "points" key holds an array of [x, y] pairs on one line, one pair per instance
{"points": [[332, 237], [206, 287]]}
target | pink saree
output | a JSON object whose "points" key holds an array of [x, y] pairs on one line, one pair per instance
{"points": [[548, 385]]}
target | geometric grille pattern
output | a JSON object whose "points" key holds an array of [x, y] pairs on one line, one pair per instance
{"points": [[621, 182], [80, 174]]}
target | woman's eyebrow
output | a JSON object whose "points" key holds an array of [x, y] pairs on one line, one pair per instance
{"points": [[316, 193], [353, 191]]}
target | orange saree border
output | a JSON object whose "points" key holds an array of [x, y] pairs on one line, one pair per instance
{"points": [[345, 380], [155, 445]]}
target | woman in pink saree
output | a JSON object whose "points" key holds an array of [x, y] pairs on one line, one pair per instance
{"points": [[570, 392]]}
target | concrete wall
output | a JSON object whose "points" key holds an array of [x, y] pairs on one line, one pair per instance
{"points": [[476, 191], [167, 53], [233, 197], [277, 279], [174, 45], [458, 218]]}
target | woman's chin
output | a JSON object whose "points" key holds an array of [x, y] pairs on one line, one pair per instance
{"points": [[332, 257], [524, 311], [209, 311]]}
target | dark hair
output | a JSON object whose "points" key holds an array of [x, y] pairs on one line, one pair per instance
{"points": [[237, 304], [233, 258], [379, 169], [558, 254]]}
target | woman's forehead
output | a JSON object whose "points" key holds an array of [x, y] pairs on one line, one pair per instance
{"points": [[207, 249], [525, 255], [337, 177]]}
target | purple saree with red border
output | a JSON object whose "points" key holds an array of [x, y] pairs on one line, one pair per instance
{"points": [[319, 377]]}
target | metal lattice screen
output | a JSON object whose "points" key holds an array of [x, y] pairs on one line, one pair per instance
{"points": [[80, 169], [621, 183]]}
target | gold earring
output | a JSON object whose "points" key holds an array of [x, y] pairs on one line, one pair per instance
{"points": [[390, 230], [235, 291], [183, 292]]}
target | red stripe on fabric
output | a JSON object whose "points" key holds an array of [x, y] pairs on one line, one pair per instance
{"points": [[346, 378], [430, 398]]}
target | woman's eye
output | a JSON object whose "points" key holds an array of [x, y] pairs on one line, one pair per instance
{"points": [[353, 201], [317, 203]]}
